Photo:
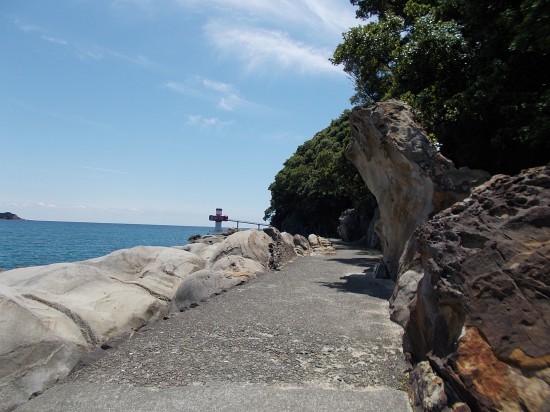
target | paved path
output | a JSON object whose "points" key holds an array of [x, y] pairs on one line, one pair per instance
{"points": [[314, 336]]}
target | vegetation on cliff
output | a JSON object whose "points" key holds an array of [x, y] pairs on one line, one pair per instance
{"points": [[476, 73], [317, 184]]}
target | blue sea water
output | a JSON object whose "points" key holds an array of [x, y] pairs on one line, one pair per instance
{"points": [[32, 243]]}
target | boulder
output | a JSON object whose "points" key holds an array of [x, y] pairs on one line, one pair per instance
{"points": [[202, 250], [288, 238], [238, 267], [251, 244], [199, 286], [320, 245], [281, 250], [51, 315], [301, 245], [473, 295], [410, 179]]}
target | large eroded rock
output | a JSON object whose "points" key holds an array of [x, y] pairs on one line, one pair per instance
{"points": [[251, 244], [51, 315], [473, 295], [409, 178]]}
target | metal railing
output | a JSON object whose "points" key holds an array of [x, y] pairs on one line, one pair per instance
{"points": [[248, 223]]}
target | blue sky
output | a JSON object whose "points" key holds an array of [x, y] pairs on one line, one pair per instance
{"points": [[159, 111]]}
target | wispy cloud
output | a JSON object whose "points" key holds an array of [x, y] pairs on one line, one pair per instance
{"points": [[55, 40], [25, 27], [266, 34], [49, 205], [332, 16], [222, 95], [269, 49], [206, 122], [83, 51]]}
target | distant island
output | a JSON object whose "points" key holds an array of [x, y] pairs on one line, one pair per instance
{"points": [[9, 216]]}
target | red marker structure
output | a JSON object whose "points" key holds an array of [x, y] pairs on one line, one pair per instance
{"points": [[219, 218]]}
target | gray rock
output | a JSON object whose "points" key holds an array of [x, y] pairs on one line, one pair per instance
{"points": [[199, 286]]}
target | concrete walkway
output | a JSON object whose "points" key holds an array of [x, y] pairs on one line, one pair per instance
{"points": [[315, 336]]}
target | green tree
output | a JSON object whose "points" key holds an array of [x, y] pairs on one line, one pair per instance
{"points": [[476, 73], [317, 184]]}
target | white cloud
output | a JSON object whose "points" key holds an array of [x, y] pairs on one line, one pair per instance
{"points": [[272, 35], [206, 122], [333, 16], [55, 40], [269, 49], [218, 86], [222, 95]]}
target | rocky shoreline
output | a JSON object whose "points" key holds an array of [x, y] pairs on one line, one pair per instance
{"points": [[54, 315]]}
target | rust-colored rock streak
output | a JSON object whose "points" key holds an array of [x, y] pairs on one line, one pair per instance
{"points": [[473, 294]]}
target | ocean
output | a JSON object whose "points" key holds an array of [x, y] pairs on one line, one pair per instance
{"points": [[33, 243]]}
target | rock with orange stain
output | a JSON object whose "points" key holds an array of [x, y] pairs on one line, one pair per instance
{"points": [[479, 306]]}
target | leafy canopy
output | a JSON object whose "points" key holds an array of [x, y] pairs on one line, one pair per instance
{"points": [[476, 73], [317, 184]]}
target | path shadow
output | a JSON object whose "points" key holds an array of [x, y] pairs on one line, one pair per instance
{"points": [[369, 260], [364, 284]]}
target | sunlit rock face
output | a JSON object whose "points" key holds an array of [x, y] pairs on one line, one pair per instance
{"points": [[473, 295], [51, 315], [410, 179]]}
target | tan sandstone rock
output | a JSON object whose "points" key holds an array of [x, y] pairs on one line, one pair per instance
{"points": [[320, 245], [238, 267], [250, 244], [410, 179]]}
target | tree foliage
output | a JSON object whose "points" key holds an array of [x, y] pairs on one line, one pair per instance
{"points": [[476, 72], [317, 184]]}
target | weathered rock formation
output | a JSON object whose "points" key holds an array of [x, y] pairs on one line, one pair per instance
{"points": [[281, 248], [473, 296], [50, 316], [410, 179]]}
